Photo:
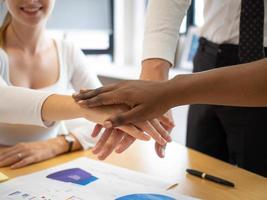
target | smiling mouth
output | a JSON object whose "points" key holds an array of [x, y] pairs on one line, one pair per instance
{"points": [[31, 10]]}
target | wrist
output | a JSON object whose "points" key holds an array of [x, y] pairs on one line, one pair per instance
{"points": [[155, 69], [59, 145], [178, 90]]}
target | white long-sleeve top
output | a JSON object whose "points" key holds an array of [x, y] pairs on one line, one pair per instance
{"points": [[164, 17], [20, 108]]}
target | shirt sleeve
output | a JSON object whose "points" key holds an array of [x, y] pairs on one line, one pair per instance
{"points": [[82, 74], [82, 130], [163, 21], [21, 105]]}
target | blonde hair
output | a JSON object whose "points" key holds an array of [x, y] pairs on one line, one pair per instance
{"points": [[3, 28]]}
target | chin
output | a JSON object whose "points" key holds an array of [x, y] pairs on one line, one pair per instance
{"points": [[35, 24]]}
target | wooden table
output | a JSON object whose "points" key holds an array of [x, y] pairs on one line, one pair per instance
{"points": [[141, 157]]}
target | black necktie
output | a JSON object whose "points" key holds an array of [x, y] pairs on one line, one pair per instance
{"points": [[251, 31]]}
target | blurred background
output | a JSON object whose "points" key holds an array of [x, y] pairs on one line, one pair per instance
{"points": [[110, 33]]}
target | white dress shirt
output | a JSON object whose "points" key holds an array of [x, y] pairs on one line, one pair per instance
{"points": [[164, 17], [20, 108]]}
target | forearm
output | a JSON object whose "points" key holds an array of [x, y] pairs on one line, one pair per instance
{"points": [[155, 69], [241, 85], [60, 107]]}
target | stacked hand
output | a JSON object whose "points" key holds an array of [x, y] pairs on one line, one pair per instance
{"points": [[118, 141], [139, 96]]}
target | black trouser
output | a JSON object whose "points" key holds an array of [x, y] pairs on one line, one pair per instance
{"points": [[234, 134]]}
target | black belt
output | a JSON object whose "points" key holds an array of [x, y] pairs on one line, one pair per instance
{"points": [[221, 50]]}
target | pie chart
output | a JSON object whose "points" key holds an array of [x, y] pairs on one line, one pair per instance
{"points": [[145, 197]]}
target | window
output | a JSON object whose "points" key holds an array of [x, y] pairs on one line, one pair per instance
{"points": [[189, 40], [89, 24], [198, 9]]}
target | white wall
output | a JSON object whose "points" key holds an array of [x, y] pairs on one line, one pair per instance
{"points": [[129, 28]]}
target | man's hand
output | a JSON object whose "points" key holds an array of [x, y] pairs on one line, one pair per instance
{"points": [[147, 100]]}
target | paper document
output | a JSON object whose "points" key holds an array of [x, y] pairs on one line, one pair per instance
{"points": [[86, 179]]}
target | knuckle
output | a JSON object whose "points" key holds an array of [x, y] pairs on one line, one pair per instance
{"points": [[98, 99], [97, 91], [119, 119]]}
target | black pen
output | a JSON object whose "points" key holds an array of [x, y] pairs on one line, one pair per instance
{"points": [[210, 177]]}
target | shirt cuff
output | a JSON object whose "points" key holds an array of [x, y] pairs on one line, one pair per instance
{"points": [[158, 46], [83, 135]]}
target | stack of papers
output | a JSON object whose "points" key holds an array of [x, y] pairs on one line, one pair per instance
{"points": [[84, 179]]}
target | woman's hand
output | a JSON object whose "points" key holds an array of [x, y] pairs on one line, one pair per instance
{"points": [[111, 140], [167, 123], [24, 154], [119, 141], [139, 130]]}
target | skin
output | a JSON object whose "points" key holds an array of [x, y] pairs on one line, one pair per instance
{"points": [[152, 69], [34, 152], [57, 107], [31, 54], [156, 69], [213, 87]]}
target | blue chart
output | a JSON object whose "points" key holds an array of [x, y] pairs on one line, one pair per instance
{"points": [[145, 197], [74, 175]]}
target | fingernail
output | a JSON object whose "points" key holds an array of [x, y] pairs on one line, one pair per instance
{"points": [[169, 139], [162, 151], [94, 150], [146, 137], [83, 90], [101, 157], [107, 124], [75, 96], [118, 149], [81, 102]]}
